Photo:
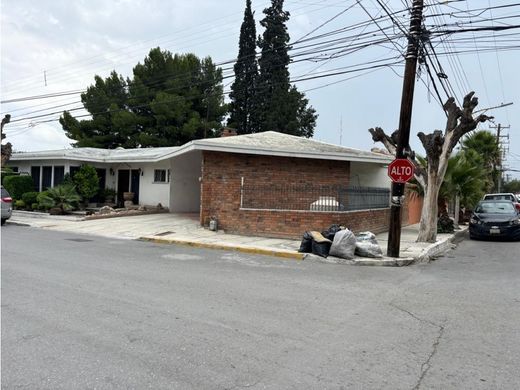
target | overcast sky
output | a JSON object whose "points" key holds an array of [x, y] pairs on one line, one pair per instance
{"points": [[56, 46]]}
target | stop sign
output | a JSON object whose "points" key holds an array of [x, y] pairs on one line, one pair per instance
{"points": [[400, 170]]}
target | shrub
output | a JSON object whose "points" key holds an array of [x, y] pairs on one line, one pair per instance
{"points": [[62, 197], [30, 197], [6, 171], [87, 182], [34, 206], [18, 185], [19, 204], [67, 179], [42, 195]]}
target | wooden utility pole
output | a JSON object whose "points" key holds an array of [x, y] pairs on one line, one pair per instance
{"points": [[405, 118]]}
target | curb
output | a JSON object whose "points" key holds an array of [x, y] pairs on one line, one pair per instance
{"points": [[363, 261], [229, 247], [441, 247]]}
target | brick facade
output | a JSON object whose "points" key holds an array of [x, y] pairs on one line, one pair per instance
{"points": [[220, 195]]}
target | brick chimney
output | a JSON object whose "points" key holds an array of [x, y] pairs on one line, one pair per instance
{"points": [[228, 132]]}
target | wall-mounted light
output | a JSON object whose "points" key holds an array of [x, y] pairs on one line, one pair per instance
{"points": [[141, 172], [112, 173]]}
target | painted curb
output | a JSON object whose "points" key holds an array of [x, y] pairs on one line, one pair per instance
{"points": [[228, 247]]}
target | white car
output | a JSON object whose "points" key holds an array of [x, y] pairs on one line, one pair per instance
{"points": [[504, 196], [7, 205]]}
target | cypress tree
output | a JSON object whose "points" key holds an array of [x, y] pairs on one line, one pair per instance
{"points": [[279, 106], [246, 73]]}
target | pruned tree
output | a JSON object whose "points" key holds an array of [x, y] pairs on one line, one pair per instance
{"points": [[7, 148], [438, 146]]}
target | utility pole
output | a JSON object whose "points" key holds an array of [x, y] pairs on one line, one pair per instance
{"points": [[499, 127], [405, 118]]}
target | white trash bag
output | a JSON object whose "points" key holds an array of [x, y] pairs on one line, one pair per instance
{"points": [[367, 246], [344, 245]]}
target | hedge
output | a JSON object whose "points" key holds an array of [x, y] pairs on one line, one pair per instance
{"points": [[18, 185]]}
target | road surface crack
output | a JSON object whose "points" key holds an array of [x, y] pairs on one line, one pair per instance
{"points": [[425, 367]]}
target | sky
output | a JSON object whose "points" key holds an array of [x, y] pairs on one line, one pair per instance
{"points": [[57, 46]]}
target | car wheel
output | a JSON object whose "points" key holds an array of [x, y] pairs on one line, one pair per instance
{"points": [[3, 221]]}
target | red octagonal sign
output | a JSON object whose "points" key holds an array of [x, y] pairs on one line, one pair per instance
{"points": [[400, 170]]}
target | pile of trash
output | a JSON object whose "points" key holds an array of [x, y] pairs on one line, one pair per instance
{"points": [[338, 241]]}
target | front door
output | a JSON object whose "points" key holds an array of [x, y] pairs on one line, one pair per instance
{"points": [[128, 180], [123, 185]]}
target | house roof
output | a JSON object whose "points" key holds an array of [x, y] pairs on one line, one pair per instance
{"points": [[279, 144], [270, 143], [99, 155]]}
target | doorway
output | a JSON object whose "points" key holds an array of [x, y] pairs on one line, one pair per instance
{"points": [[128, 180]]}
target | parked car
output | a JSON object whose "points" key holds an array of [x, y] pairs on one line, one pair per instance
{"points": [[7, 205], [495, 219], [504, 196]]}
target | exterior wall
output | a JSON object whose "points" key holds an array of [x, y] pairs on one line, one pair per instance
{"points": [[185, 183], [369, 175], [25, 166], [220, 196], [412, 209], [151, 193]]}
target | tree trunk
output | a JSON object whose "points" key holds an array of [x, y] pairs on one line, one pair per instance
{"points": [[457, 211], [428, 223]]}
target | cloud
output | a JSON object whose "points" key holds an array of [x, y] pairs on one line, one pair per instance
{"points": [[40, 137]]}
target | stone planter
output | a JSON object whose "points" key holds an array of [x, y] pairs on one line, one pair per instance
{"points": [[128, 196]]}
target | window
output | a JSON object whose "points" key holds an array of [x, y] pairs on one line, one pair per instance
{"points": [[46, 177], [35, 174], [59, 172], [159, 176]]}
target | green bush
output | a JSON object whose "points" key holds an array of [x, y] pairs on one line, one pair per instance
{"points": [[6, 171], [62, 197], [67, 179], [87, 182], [34, 206], [42, 195], [19, 204], [30, 197], [18, 185]]}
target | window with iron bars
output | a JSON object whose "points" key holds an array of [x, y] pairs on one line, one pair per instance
{"points": [[313, 197]]}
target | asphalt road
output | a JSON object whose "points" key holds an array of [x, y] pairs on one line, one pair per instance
{"points": [[85, 312]]}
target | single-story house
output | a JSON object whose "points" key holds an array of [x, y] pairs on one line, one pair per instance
{"points": [[269, 183]]}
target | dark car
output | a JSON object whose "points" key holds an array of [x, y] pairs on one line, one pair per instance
{"points": [[495, 219]]}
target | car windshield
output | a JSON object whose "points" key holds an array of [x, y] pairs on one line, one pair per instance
{"points": [[500, 197], [495, 208]]}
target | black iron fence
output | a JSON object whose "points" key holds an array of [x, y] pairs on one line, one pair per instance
{"points": [[313, 198]]}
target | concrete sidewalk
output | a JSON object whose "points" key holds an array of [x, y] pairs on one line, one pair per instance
{"points": [[184, 229]]}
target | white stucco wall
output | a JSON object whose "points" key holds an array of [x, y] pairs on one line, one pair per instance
{"points": [[151, 193], [369, 175], [185, 184]]}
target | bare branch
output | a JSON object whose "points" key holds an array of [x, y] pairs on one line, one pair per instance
{"points": [[379, 135]]}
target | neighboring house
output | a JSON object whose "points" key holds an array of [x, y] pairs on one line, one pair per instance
{"points": [[269, 183]]}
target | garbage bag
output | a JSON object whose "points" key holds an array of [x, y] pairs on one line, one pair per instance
{"points": [[320, 244], [367, 246], [344, 245], [306, 244], [331, 231]]}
